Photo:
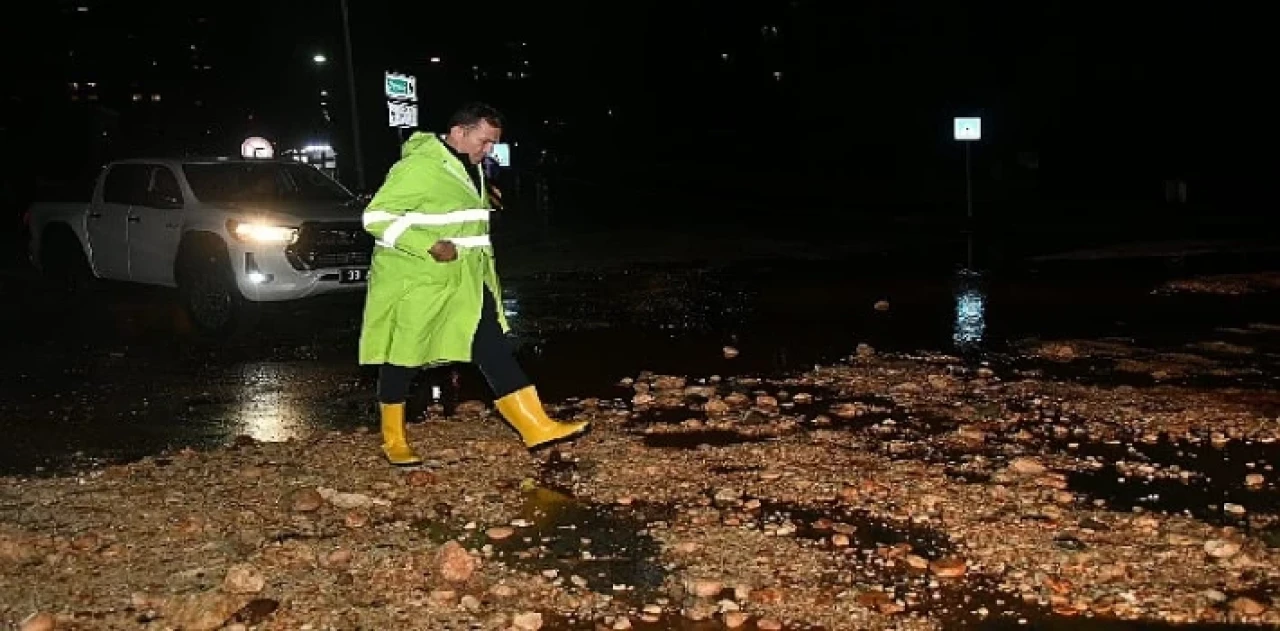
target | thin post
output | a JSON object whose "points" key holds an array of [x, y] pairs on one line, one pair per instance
{"points": [[351, 94], [968, 182]]}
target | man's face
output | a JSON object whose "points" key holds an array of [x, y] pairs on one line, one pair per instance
{"points": [[476, 141]]}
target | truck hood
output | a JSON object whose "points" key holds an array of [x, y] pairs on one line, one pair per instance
{"points": [[297, 213]]}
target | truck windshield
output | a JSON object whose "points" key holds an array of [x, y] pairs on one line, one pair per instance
{"points": [[262, 182]]}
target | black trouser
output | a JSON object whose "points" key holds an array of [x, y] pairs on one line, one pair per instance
{"points": [[489, 351]]}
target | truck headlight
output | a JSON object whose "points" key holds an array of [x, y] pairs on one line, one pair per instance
{"points": [[261, 233]]}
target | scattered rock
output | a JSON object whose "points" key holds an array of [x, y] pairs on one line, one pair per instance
{"points": [[527, 621], [498, 533], [1246, 606], [204, 611], [420, 478], [735, 619], [39, 622], [1026, 466], [949, 567], [306, 500], [454, 563], [355, 519], [1221, 548], [471, 408], [502, 591], [244, 579], [704, 588]]}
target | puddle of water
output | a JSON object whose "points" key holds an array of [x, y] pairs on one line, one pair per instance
{"points": [[605, 546]]}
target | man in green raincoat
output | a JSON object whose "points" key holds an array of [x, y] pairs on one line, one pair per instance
{"points": [[433, 288]]}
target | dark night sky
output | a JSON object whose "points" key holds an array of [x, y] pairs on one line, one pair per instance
{"points": [[1101, 92]]}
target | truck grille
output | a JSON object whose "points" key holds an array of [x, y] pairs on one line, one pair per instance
{"points": [[323, 245]]}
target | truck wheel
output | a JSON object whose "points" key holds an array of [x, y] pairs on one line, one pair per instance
{"points": [[64, 263], [209, 292]]}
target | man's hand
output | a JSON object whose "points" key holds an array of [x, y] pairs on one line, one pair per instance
{"points": [[443, 251]]}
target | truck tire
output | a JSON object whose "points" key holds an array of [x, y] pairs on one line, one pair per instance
{"points": [[63, 261], [208, 289]]}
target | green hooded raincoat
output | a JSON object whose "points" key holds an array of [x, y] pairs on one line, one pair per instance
{"points": [[419, 311]]}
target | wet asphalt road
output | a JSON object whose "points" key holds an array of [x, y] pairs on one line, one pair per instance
{"points": [[119, 374]]}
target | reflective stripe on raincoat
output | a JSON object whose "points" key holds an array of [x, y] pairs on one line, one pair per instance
{"points": [[420, 311]]}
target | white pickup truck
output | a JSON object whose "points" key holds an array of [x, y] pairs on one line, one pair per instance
{"points": [[229, 234]]}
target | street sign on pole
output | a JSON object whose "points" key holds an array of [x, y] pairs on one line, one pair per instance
{"points": [[400, 87], [968, 129], [401, 91]]}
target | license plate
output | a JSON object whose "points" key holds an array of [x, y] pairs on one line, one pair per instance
{"points": [[354, 275]]}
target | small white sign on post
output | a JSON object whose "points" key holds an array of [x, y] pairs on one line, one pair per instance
{"points": [[968, 128], [402, 114], [501, 154]]}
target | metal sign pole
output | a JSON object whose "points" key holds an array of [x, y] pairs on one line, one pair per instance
{"points": [[968, 182], [351, 94]]}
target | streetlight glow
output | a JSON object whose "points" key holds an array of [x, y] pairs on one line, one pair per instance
{"points": [[320, 59]]}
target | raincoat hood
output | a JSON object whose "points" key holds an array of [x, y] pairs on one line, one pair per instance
{"points": [[422, 144]]}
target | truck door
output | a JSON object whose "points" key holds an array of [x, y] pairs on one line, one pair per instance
{"points": [[155, 227], [108, 221]]}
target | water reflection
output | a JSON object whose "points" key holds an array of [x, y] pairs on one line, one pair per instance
{"points": [[970, 321], [510, 304], [265, 412]]}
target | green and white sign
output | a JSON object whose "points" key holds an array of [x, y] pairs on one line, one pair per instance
{"points": [[400, 87]]}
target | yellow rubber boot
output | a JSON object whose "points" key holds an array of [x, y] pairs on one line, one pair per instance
{"points": [[394, 443], [523, 410]]}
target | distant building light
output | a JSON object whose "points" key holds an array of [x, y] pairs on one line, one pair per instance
{"points": [[155, 98], [318, 149], [320, 59], [324, 93], [82, 9], [777, 75], [92, 84], [154, 63], [193, 47], [74, 85], [724, 56], [93, 97], [136, 97], [435, 60], [208, 67]]}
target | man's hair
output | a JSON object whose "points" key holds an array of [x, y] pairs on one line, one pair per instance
{"points": [[471, 114]]}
